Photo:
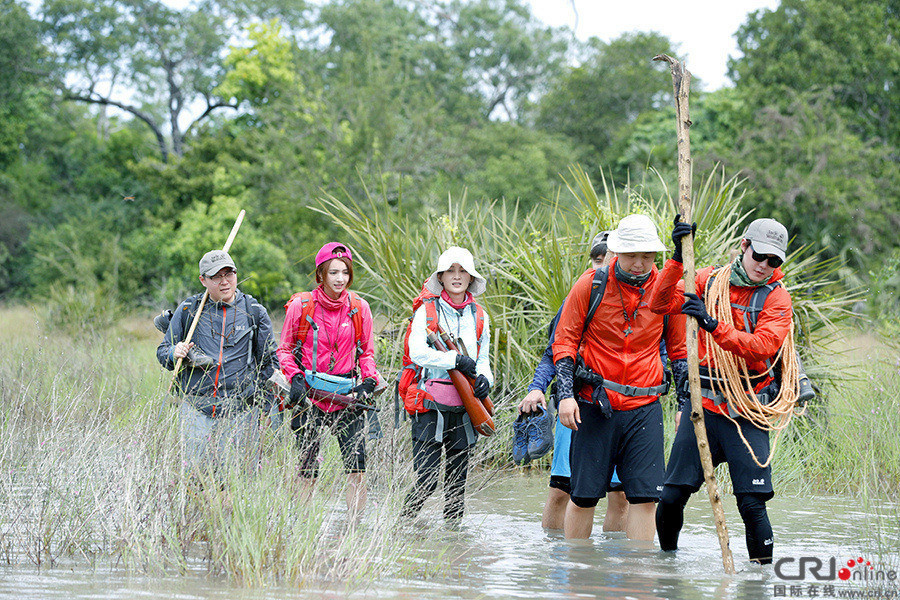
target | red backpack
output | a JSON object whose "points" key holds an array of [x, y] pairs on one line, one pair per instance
{"points": [[306, 321], [410, 373]]}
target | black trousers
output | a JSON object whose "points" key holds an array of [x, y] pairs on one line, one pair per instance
{"points": [[427, 462]]}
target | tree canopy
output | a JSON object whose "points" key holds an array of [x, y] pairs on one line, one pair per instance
{"points": [[130, 130]]}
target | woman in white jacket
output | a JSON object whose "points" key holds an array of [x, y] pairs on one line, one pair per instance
{"points": [[445, 424]]}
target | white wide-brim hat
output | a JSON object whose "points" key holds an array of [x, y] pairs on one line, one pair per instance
{"points": [[455, 254], [635, 233]]}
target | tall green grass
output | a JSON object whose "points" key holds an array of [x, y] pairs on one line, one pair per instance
{"points": [[90, 469]]}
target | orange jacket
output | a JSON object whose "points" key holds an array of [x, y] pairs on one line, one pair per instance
{"points": [[631, 359], [772, 325]]}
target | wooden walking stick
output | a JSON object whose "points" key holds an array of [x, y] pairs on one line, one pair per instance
{"points": [[681, 80], [190, 334]]}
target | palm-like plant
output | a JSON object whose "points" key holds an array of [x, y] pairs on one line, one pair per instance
{"points": [[532, 260]]}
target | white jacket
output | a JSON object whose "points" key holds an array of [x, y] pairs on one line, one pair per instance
{"points": [[458, 324]]}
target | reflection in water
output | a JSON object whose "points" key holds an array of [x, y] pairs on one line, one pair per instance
{"points": [[501, 551]]}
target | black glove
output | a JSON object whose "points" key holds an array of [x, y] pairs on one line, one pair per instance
{"points": [[298, 390], [481, 387], [365, 389], [565, 377], [694, 307], [466, 366], [680, 230]]}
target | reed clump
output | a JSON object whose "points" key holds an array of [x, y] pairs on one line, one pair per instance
{"points": [[90, 470]]}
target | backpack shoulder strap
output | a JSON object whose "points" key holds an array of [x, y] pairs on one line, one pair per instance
{"points": [[479, 322], [308, 306], [598, 288], [356, 318], [253, 308], [355, 314], [188, 312], [757, 301], [431, 316]]}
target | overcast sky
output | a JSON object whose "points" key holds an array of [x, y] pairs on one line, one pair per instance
{"points": [[704, 29]]}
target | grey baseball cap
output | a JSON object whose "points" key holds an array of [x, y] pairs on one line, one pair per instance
{"points": [[214, 261], [767, 236], [598, 244]]}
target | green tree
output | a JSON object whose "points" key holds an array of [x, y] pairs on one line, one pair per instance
{"points": [[810, 170], [511, 162], [507, 54], [24, 71], [598, 102], [154, 62], [849, 46]]}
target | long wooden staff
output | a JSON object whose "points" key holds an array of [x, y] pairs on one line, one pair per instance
{"points": [[681, 79], [190, 334]]}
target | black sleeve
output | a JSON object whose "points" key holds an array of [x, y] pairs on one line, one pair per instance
{"points": [[680, 377], [565, 377]]}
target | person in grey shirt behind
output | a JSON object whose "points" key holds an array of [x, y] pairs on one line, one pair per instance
{"points": [[224, 368]]}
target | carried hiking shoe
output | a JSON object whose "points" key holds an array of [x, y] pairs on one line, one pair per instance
{"points": [[199, 359], [520, 440], [539, 431]]}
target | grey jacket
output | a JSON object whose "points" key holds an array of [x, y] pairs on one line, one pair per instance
{"points": [[247, 360]]}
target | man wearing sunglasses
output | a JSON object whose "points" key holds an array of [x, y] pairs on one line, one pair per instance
{"points": [[756, 338], [227, 361]]}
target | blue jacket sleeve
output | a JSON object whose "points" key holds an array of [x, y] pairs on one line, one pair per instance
{"points": [[546, 370]]}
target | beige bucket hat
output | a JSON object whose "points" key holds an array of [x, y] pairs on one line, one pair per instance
{"points": [[455, 254], [635, 233]]}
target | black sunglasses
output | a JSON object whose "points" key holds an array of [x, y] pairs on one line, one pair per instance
{"points": [[774, 261]]}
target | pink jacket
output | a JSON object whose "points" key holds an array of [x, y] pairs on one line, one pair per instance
{"points": [[336, 338]]}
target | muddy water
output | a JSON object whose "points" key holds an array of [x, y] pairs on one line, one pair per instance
{"points": [[502, 552]]}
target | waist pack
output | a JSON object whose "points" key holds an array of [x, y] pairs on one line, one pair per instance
{"points": [[711, 385], [443, 395], [332, 384], [584, 375]]}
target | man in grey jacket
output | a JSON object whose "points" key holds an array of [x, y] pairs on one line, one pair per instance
{"points": [[224, 369]]}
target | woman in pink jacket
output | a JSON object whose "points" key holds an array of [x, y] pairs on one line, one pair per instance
{"points": [[327, 355]]}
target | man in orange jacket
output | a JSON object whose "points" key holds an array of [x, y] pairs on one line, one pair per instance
{"points": [[615, 414], [756, 336]]}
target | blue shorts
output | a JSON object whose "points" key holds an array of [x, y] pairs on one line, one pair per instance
{"points": [[561, 443], [560, 471]]}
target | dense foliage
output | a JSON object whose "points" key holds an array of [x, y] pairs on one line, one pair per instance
{"points": [[132, 132]]}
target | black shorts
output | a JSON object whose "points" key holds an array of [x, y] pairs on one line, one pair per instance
{"points": [[631, 441], [725, 444], [561, 482], [346, 424]]}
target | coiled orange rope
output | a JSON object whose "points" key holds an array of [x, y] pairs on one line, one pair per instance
{"points": [[732, 378]]}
